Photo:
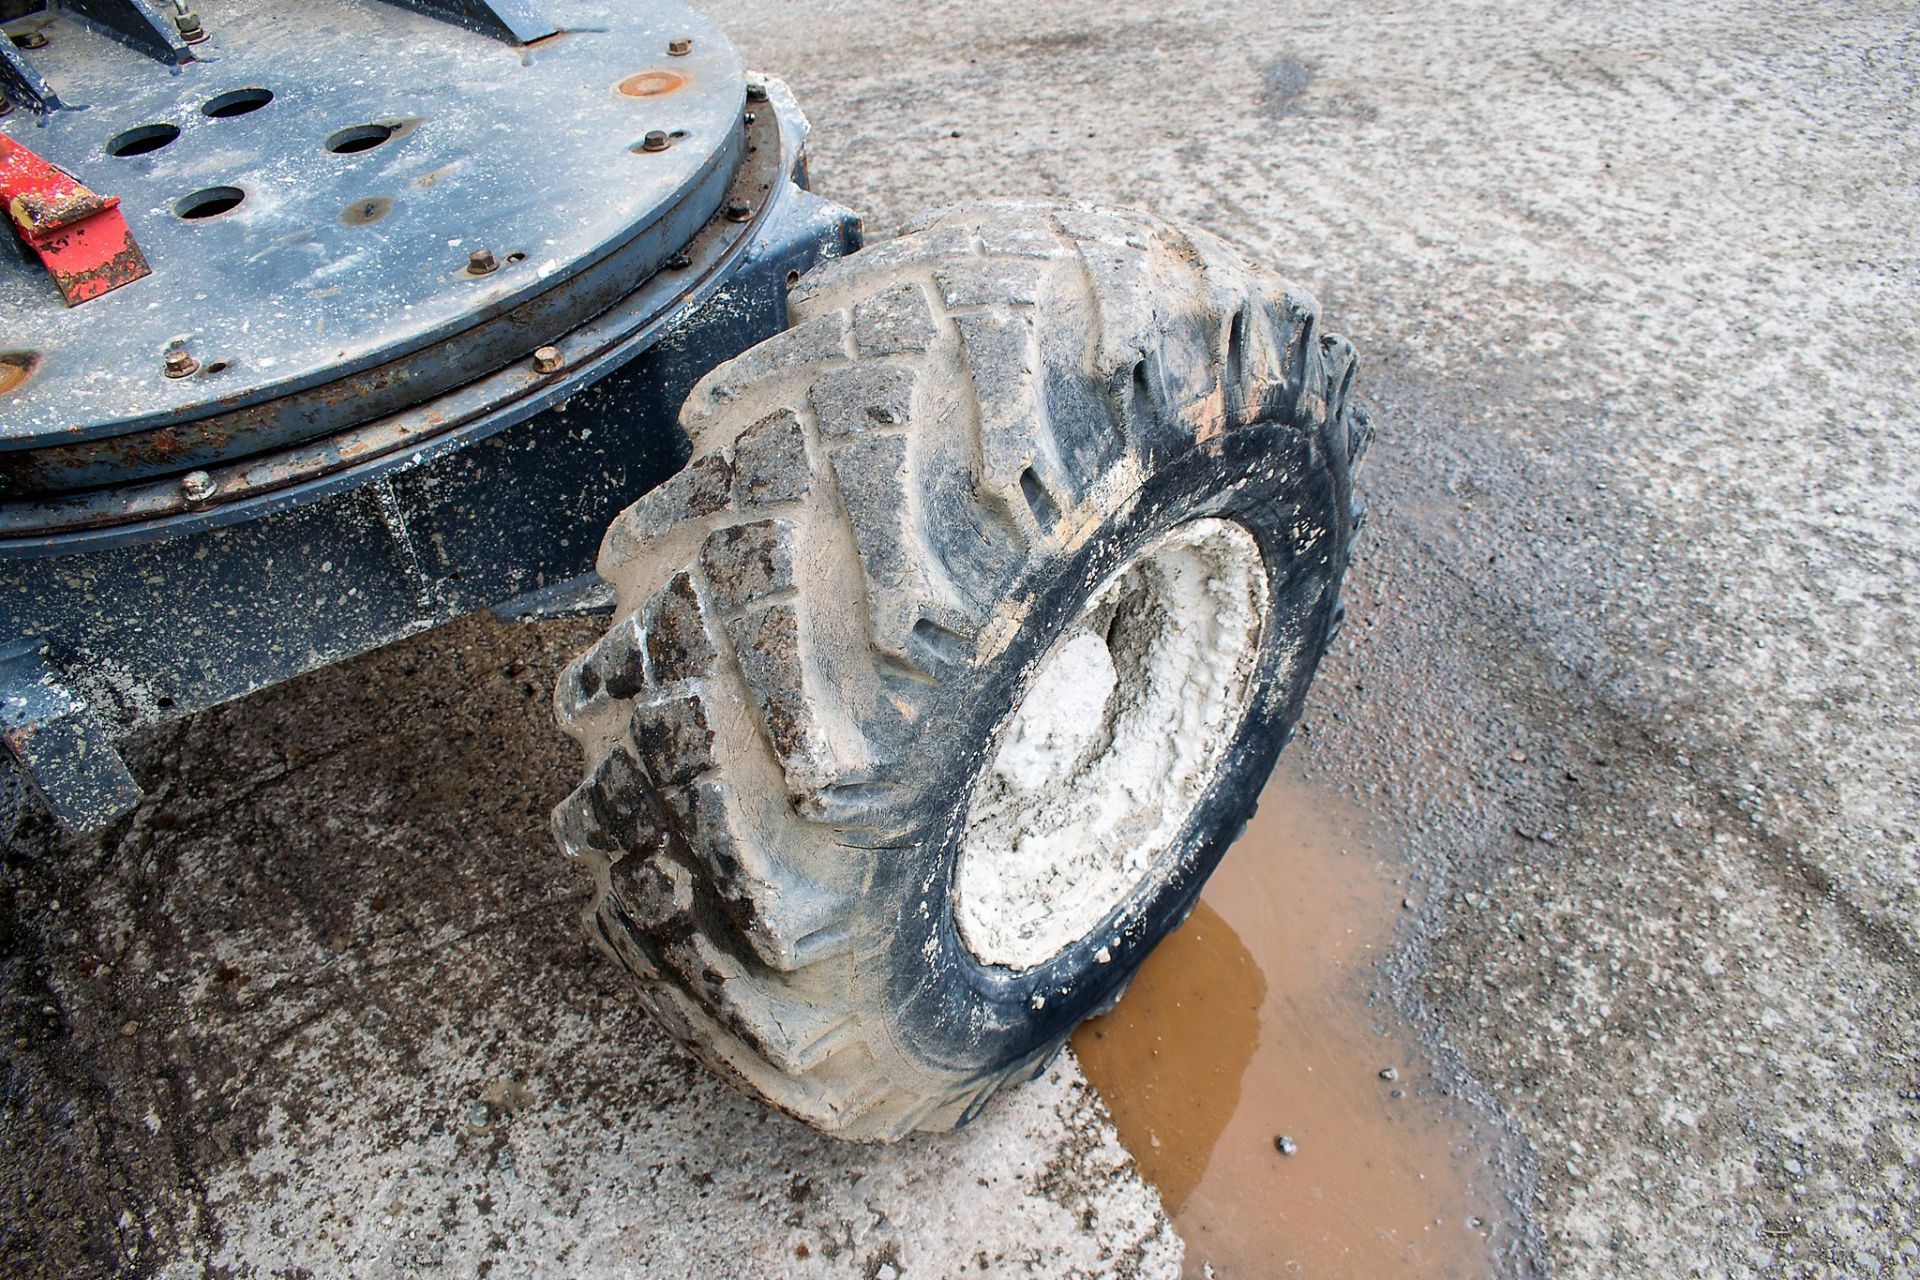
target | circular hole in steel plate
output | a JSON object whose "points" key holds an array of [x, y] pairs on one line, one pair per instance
{"points": [[15, 368], [651, 84], [361, 137], [142, 139], [362, 212], [212, 367], [236, 102], [208, 203], [516, 256]]}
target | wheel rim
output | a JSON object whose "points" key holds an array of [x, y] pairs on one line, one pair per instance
{"points": [[1117, 739]]}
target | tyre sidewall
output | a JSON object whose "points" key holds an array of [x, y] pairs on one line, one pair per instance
{"points": [[955, 1014]]}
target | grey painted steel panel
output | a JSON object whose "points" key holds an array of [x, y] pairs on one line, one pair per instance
{"points": [[328, 293]]}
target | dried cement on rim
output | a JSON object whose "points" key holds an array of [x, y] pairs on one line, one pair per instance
{"points": [[1119, 735]]}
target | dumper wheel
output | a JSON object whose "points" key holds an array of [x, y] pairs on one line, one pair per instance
{"points": [[946, 670]]}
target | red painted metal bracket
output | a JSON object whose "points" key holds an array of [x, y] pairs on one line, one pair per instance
{"points": [[83, 238]]}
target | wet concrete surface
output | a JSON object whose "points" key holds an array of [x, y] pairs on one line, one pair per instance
{"points": [[1269, 1089], [1627, 673], [323, 1008], [1626, 684]]}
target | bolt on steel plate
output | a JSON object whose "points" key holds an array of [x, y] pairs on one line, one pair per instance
{"points": [[348, 207]]}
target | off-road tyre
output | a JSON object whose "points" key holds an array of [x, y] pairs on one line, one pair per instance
{"points": [[827, 620]]}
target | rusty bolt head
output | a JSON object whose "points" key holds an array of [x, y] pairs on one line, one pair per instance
{"points": [[656, 140], [482, 262], [739, 211], [680, 46], [198, 486], [188, 23], [548, 359], [180, 363], [756, 93]]}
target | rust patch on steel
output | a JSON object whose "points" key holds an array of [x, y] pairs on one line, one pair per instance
{"points": [[362, 212], [15, 368], [652, 84]]}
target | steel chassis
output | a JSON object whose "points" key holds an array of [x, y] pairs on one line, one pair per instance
{"points": [[129, 618]]}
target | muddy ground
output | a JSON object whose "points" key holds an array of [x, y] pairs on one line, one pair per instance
{"points": [[1628, 674]]}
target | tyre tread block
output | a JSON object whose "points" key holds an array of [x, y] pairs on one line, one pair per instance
{"points": [[616, 667], [999, 350], [776, 908], [874, 488], [770, 462], [894, 321], [854, 400], [766, 646], [748, 377], [674, 738], [656, 890], [701, 488], [677, 645], [612, 813], [780, 1028], [992, 282], [744, 563]]}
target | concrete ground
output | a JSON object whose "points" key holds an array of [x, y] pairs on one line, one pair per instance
{"points": [[1628, 668], [323, 1009]]}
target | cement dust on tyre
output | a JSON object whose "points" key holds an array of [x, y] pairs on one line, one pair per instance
{"points": [[1267, 1087]]}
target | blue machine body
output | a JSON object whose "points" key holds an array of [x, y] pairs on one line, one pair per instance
{"points": [[429, 282]]}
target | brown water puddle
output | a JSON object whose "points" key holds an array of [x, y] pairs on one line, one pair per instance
{"points": [[1254, 1021]]}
